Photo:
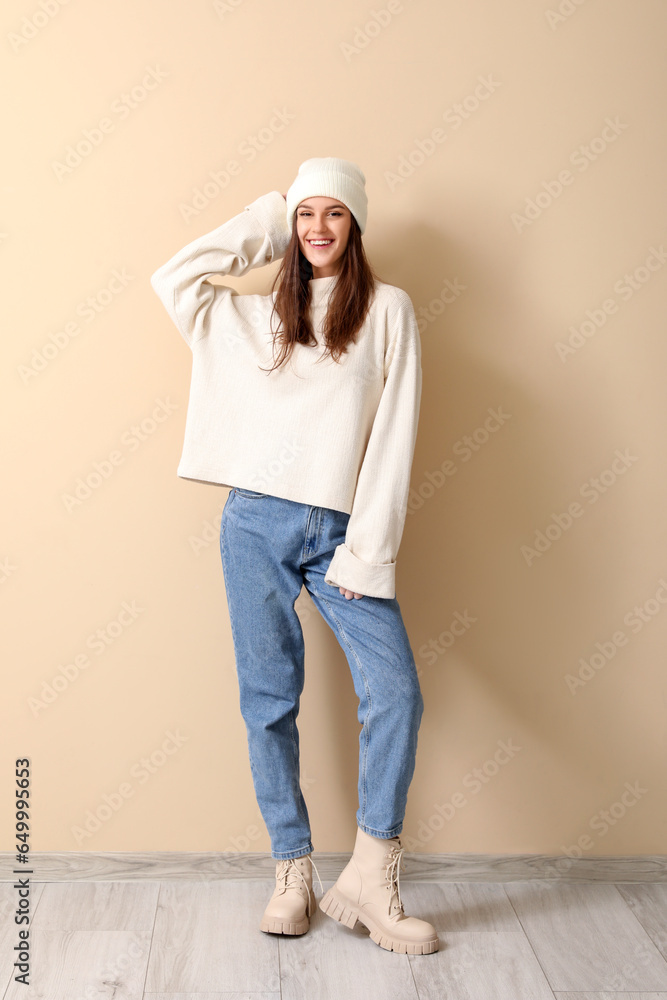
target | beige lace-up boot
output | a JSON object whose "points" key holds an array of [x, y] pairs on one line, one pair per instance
{"points": [[368, 890], [293, 900]]}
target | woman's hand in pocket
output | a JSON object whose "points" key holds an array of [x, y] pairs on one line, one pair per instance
{"points": [[349, 594]]}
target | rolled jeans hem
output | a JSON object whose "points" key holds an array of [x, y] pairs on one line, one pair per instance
{"points": [[384, 835], [299, 852]]}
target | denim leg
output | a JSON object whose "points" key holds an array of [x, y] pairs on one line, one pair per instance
{"points": [[260, 545], [373, 637]]}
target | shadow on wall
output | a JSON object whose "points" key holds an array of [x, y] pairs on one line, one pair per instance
{"points": [[506, 512]]}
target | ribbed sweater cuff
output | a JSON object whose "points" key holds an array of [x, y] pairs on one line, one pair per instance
{"points": [[370, 579]]}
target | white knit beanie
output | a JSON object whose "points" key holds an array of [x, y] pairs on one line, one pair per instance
{"points": [[330, 177]]}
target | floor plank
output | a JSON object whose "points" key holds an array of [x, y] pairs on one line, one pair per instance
{"points": [[610, 996], [649, 905], [453, 907], [483, 949], [68, 965], [100, 906], [332, 962], [207, 939], [587, 938], [478, 965], [211, 996]]}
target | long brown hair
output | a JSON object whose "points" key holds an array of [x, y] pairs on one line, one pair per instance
{"points": [[350, 300]]}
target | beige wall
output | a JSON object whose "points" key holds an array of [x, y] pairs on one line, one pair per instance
{"points": [[538, 92]]}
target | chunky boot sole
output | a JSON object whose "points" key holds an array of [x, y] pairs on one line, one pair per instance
{"points": [[272, 925], [340, 908]]}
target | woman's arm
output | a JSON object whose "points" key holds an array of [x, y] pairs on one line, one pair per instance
{"points": [[256, 236], [366, 563]]}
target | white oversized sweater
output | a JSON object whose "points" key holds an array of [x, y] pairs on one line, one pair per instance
{"points": [[328, 434]]}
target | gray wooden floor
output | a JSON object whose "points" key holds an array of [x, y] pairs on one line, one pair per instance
{"points": [[199, 939]]}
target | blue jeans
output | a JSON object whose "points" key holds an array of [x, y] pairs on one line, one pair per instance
{"points": [[269, 548]]}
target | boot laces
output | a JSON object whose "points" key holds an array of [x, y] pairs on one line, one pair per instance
{"points": [[290, 876], [392, 876]]}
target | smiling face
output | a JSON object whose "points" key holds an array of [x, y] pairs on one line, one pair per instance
{"points": [[323, 226]]}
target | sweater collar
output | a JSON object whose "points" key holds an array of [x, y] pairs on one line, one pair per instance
{"points": [[321, 287]]}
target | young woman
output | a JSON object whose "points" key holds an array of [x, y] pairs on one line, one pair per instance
{"points": [[305, 403]]}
